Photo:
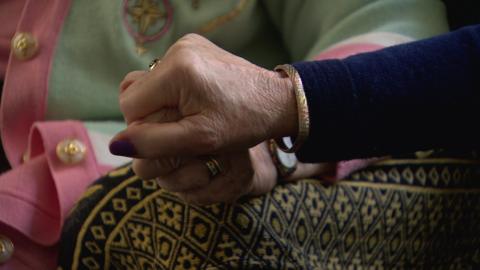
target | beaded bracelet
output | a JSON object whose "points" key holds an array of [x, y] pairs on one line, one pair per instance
{"points": [[302, 107]]}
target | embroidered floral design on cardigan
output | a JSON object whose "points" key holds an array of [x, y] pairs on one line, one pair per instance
{"points": [[147, 20]]}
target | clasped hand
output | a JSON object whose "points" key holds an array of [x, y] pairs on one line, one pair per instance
{"points": [[201, 101]]}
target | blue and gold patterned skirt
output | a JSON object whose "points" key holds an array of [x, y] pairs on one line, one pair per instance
{"points": [[412, 213]]}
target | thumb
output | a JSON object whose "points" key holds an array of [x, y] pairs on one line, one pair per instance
{"points": [[157, 140]]}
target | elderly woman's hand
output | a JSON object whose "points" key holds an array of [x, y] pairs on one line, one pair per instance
{"points": [[247, 172], [244, 172], [225, 103]]}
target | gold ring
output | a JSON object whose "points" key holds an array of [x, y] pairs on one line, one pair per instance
{"points": [[153, 64], [213, 166]]}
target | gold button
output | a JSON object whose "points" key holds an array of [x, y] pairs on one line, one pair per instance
{"points": [[24, 46], [6, 249], [71, 151], [26, 157]]}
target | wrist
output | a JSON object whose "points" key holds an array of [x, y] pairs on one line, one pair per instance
{"points": [[285, 123]]}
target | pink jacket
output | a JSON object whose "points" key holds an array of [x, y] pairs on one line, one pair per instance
{"points": [[36, 195]]}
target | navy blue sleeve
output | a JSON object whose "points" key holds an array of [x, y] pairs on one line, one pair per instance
{"points": [[401, 99]]}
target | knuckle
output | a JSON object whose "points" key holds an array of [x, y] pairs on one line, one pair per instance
{"points": [[208, 140], [186, 58], [184, 44], [187, 63], [191, 37]]}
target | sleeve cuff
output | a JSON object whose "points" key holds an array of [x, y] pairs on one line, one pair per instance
{"points": [[37, 196]]}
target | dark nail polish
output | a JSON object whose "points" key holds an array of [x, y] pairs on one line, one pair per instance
{"points": [[123, 148]]}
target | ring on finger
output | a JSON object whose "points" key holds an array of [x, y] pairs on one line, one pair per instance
{"points": [[153, 64], [214, 167]]}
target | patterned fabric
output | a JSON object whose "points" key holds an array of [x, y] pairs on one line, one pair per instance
{"points": [[399, 213]]}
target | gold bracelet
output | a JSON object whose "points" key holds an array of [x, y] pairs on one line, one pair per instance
{"points": [[302, 107]]}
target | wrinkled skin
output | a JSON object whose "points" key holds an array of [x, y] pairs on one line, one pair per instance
{"points": [[201, 100]]}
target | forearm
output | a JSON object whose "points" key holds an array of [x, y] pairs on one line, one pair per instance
{"points": [[409, 97]]}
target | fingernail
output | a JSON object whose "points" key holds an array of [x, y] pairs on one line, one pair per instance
{"points": [[122, 148]]}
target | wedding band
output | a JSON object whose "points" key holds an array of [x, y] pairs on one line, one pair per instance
{"points": [[213, 166], [153, 64]]}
